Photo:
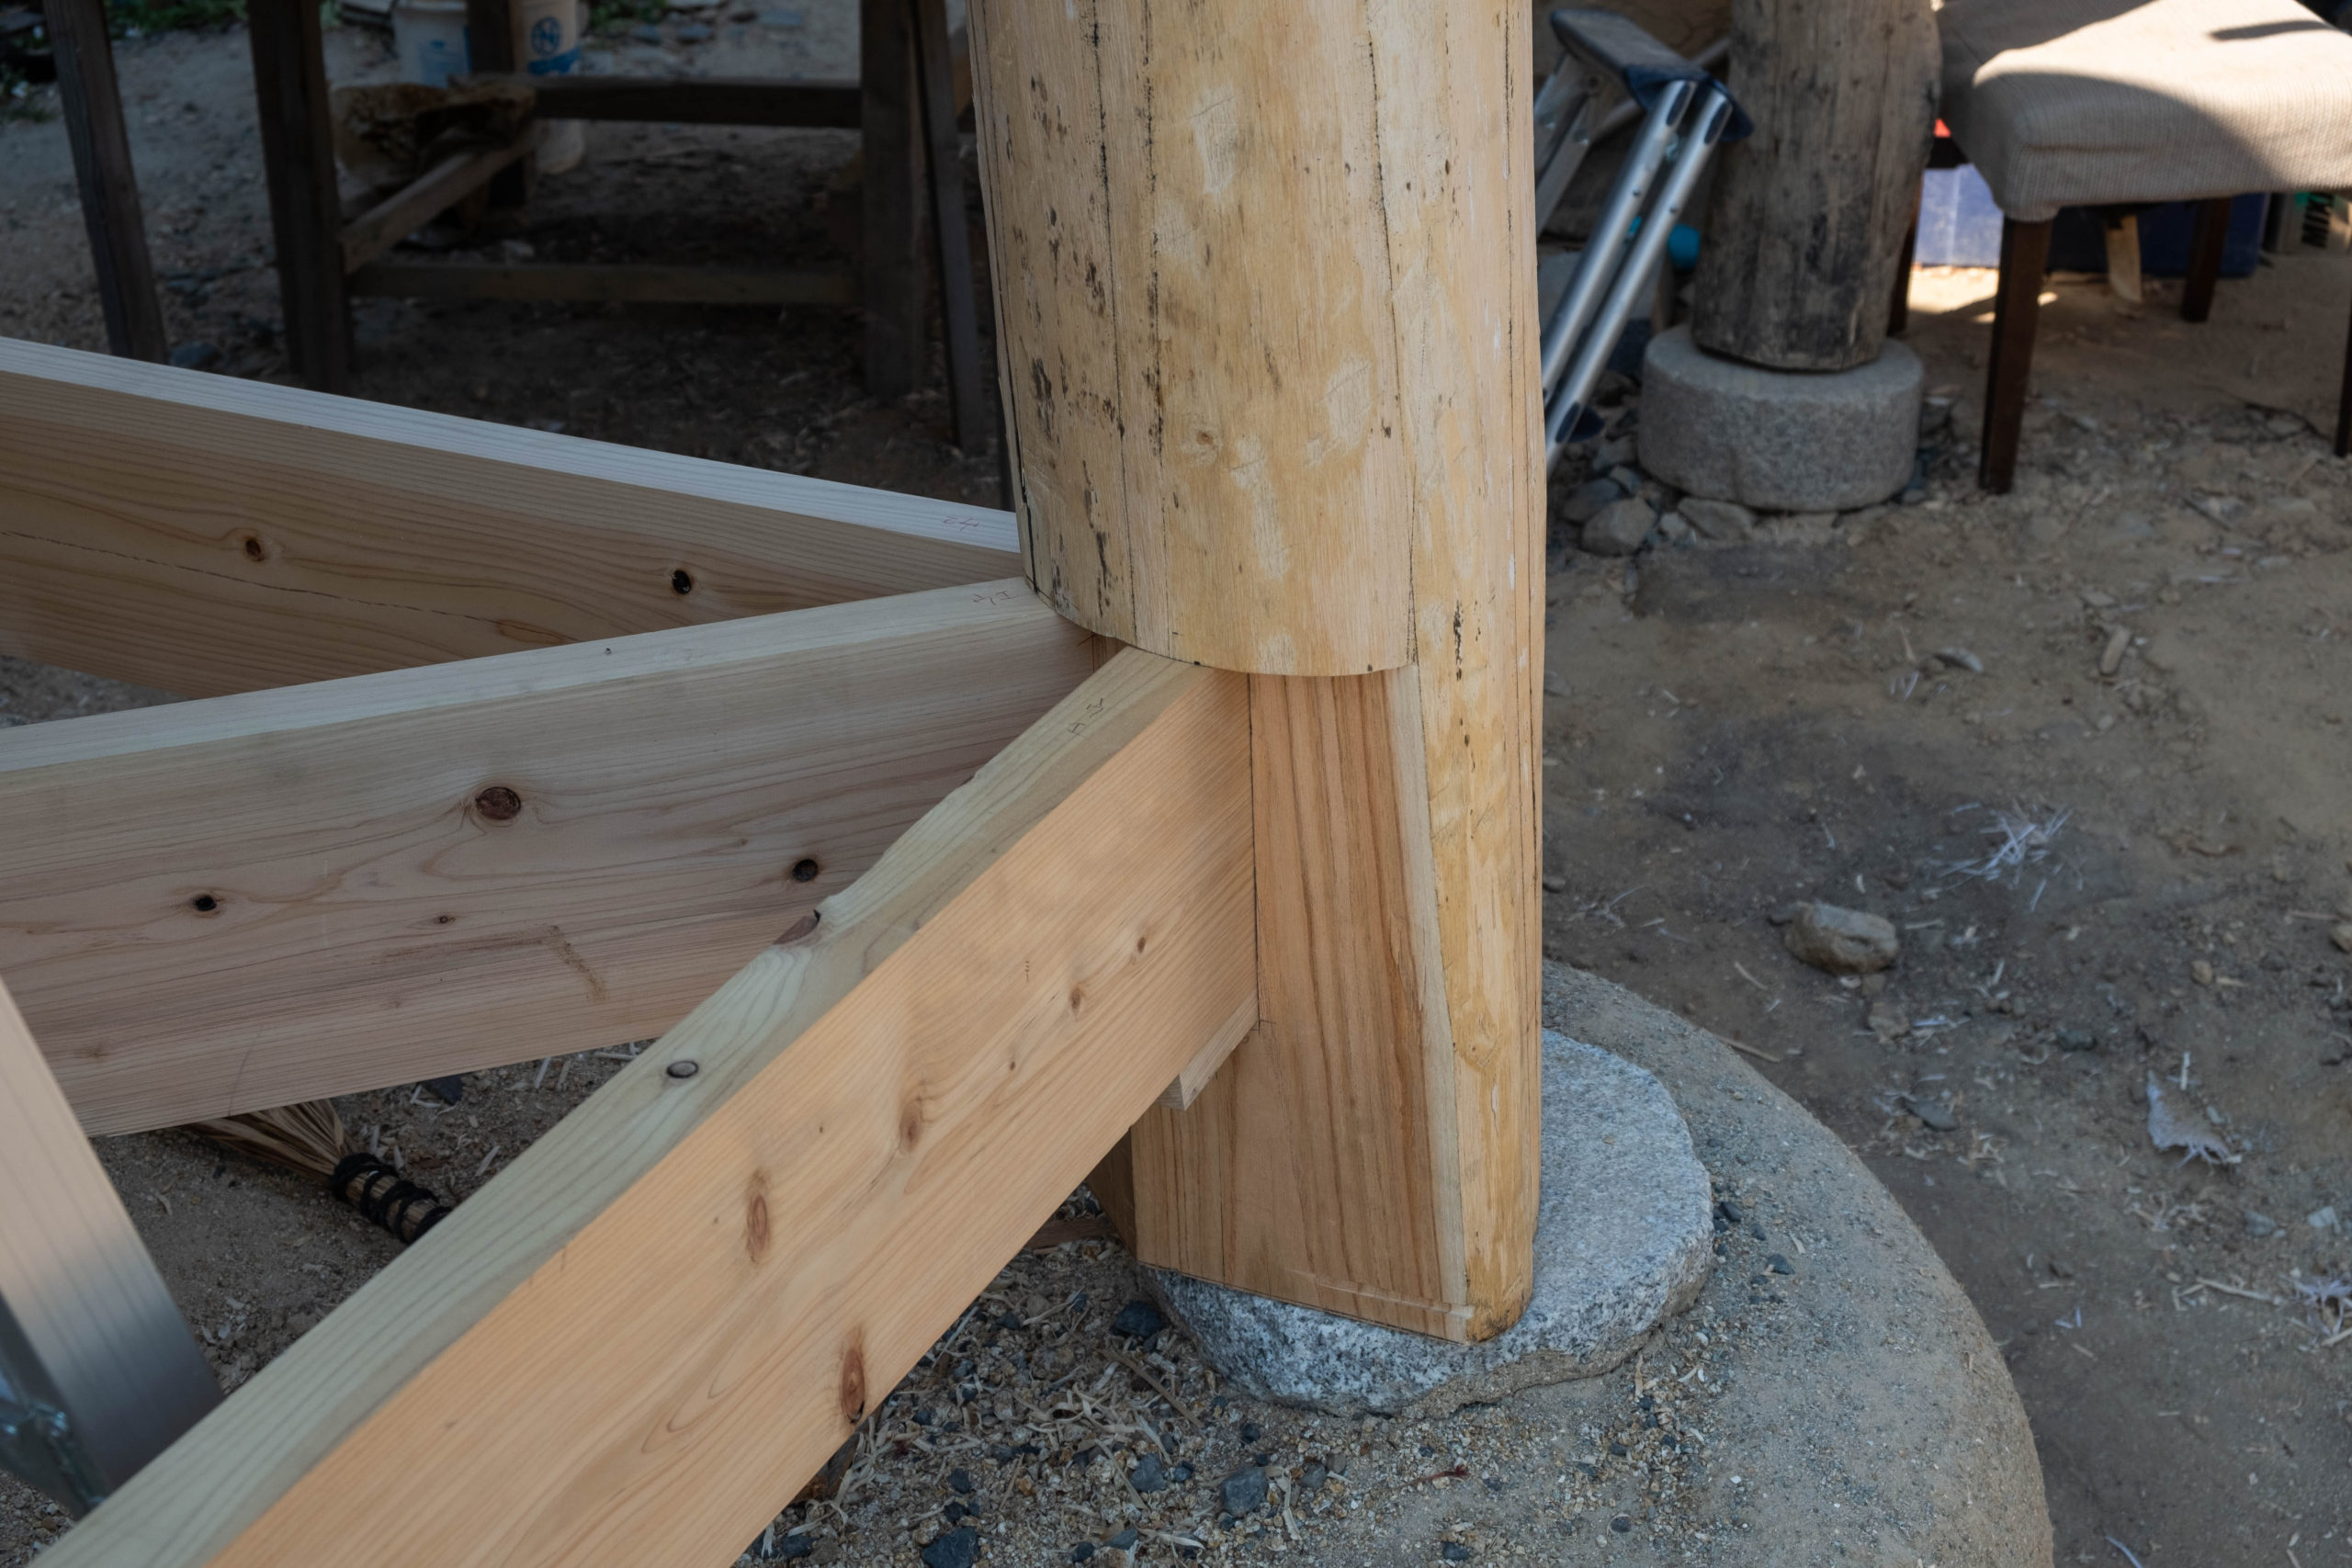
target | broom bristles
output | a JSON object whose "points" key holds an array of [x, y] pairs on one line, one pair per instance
{"points": [[307, 1137]]}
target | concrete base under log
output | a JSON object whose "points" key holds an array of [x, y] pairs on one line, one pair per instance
{"points": [[1778, 440], [1831, 1395], [1623, 1239]]}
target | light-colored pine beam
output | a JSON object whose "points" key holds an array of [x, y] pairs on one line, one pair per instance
{"points": [[211, 906], [87, 1331], [633, 1345], [206, 535]]}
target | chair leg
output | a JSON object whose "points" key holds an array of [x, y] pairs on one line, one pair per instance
{"points": [[2025, 255], [2205, 258], [2344, 403], [1898, 304]]}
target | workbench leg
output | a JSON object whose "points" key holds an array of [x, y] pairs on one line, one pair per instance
{"points": [[958, 309], [94, 127], [305, 213], [490, 47], [891, 227]]}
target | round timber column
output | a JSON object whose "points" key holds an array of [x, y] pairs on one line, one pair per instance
{"points": [[1260, 325]]}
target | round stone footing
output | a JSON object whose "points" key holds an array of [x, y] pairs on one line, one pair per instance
{"points": [[1778, 440], [1622, 1240]]}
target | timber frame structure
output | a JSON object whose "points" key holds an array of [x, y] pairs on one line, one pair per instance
{"points": [[1178, 833]]}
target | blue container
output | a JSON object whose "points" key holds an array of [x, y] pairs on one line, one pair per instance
{"points": [[1959, 226]]}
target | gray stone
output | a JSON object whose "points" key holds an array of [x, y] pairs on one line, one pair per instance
{"points": [[1783, 440], [1674, 530], [1588, 498], [1844, 941], [1149, 1475], [1622, 1241], [1717, 519], [1619, 528], [1615, 453], [1626, 478], [1243, 1492]]}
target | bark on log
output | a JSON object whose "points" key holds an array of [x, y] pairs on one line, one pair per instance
{"points": [[1809, 213]]}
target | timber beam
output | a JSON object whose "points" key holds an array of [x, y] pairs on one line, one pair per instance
{"points": [[214, 906], [634, 1344], [205, 535]]}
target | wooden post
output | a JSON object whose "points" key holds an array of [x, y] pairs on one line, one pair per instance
{"points": [[891, 228], [1809, 213], [950, 230], [305, 214], [1265, 283], [94, 127]]}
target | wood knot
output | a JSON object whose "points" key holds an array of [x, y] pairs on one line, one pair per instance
{"points": [[852, 1384], [499, 803], [909, 1124], [755, 1217]]}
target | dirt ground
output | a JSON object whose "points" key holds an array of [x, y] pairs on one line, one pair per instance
{"points": [[2101, 880]]}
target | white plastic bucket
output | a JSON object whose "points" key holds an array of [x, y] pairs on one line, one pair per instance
{"points": [[547, 43], [429, 37]]}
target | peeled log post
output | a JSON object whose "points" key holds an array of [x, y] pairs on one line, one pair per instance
{"points": [[1807, 221], [1268, 339]]}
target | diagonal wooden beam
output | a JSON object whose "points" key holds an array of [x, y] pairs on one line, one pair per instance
{"points": [[205, 535], [635, 1342], [217, 905]]}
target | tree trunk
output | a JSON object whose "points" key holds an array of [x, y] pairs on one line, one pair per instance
{"points": [[1808, 218]]}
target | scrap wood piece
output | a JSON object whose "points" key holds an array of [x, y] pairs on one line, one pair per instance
{"points": [[637, 1342], [386, 133]]}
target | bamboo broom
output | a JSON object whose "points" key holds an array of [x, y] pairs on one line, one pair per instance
{"points": [[311, 1138]]}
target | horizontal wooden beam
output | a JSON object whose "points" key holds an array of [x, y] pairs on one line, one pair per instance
{"points": [[213, 907], [629, 282], [448, 182], [87, 1330], [633, 1345], [206, 535], [694, 100]]}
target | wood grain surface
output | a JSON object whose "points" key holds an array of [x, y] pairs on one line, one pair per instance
{"points": [[219, 905], [633, 1345]]}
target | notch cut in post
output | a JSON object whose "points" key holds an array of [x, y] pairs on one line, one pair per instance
{"points": [[635, 1341], [1308, 449]]}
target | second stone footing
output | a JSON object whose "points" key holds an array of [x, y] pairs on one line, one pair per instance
{"points": [[1778, 440], [1624, 1240]]}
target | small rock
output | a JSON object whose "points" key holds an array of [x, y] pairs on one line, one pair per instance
{"points": [[1614, 454], [1779, 1265], [1138, 1320], [1122, 1542], [1717, 519], [2075, 1039], [960, 1483], [1313, 1476], [194, 356], [1588, 498], [1961, 658], [1248, 1431], [1243, 1492], [1554, 684], [1886, 1020], [1454, 1551], [2340, 935], [1621, 1524], [2260, 1225], [1149, 1475], [1083, 1551], [2221, 509], [1554, 883], [1843, 941], [1674, 530], [2118, 643], [2201, 972], [959, 1547], [1619, 528], [449, 1090], [1626, 478], [2321, 1219], [1936, 1115]]}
